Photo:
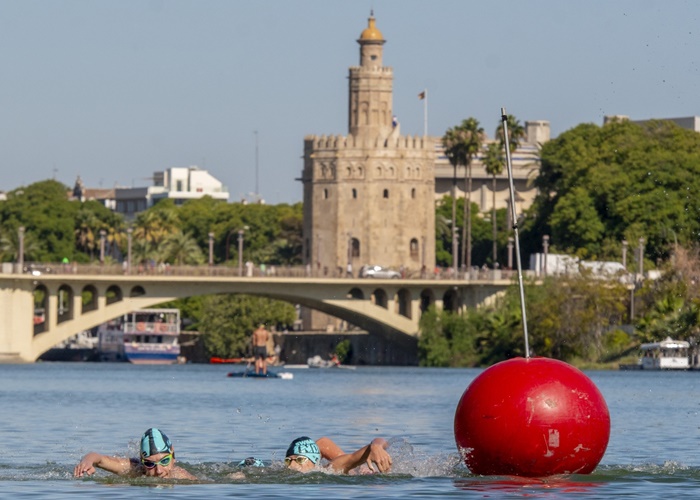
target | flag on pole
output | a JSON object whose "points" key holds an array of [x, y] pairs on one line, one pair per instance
{"points": [[423, 96]]}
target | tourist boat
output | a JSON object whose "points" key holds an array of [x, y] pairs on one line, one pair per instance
{"points": [[665, 355], [144, 336], [80, 347]]}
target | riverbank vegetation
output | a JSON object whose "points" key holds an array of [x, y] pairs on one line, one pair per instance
{"points": [[602, 190]]}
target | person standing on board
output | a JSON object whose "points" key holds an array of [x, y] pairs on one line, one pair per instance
{"points": [[259, 339], [157, 459]]}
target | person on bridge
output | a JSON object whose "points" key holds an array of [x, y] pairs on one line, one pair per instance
{"points": [[157, 460], [304, 455], [259, 339]]}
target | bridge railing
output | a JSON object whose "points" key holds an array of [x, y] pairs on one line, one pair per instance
{"points": [[260, 271]]}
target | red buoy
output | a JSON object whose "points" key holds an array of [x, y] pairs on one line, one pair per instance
{"points": [[532, 417]]}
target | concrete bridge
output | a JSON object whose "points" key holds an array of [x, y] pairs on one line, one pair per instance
{"points": [[80, 298]]}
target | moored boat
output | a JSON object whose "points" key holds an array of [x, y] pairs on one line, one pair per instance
{"points": [[665, 355], [143, 336]]}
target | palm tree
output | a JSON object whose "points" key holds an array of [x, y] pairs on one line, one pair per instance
{"points": [[462, 143], [86, 229], [9, 246], [181, 248], [154, 225], [494, 164]]}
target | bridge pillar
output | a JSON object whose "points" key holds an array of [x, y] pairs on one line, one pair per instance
{"points": [[77, 305], [52, 310], [16, 321]]}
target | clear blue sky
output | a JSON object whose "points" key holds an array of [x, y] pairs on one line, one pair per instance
{"points": [[114, 90]]}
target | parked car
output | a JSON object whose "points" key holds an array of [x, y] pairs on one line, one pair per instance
{"points": [[378, 272], [36, 269]]}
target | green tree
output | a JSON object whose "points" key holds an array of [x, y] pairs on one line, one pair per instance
{"points": [[576, 224], [86, 231], [638, 178], [462, 144], [447, 339], [180, 248], [46, 214], [228, 320]]}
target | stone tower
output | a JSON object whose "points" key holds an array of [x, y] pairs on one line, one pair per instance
{"points": [[369, 196]]}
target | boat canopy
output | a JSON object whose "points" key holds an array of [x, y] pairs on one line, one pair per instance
{"points": [[666, 344]]}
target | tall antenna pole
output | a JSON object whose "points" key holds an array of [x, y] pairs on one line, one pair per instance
{"points": [[257, 172], [504, 121], [425, 113]]}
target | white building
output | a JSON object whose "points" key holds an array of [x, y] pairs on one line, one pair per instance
{"points": [[178, 183]]}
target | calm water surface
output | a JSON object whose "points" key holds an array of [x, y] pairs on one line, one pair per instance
{"points": [[53, 413]]}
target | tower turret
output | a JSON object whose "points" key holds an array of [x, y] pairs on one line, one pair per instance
{"points": [[370, 93]]}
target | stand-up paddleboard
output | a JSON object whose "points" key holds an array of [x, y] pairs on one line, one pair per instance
{"points": [[252, 374]]}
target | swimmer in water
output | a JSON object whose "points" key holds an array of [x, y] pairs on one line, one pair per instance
{"points": [[157, 459], [304, 455]]}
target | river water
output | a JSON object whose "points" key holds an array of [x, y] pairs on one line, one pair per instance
{"points": [[53, 413]]}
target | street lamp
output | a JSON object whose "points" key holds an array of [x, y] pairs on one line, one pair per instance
{"points": [[20, 249], [103, 233], [510, 252], [454, 219], [422, 258], [211, 249], [349, 255], [545, 246], [240, 252], [624, 253], [129, 231], [640, 262], [228, 242]]}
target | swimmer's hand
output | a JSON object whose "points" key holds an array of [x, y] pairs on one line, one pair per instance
{"points": [[378, 459], [89, 462], [86, 465]]}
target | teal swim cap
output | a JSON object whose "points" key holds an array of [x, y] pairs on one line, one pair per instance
{"points": [[251, 462], [153, 442], [306, 447]]}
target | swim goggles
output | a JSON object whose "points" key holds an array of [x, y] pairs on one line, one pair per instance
{"points": [[163, 462], [301, 460]]}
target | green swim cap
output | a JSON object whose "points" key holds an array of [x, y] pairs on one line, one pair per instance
{"points": [[306, 447], [153, 442]]}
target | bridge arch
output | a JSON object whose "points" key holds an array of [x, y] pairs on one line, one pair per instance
{"points": [[89, 296], [427, 299], [451, 300], [65, 303], [41, 308], [356, 294], [380, 298], [114, 294], [404, 300]]}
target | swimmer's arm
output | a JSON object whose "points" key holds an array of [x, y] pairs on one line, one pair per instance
{"points": [[329, 450], [116, 465], [180, 473], [374, 453]]}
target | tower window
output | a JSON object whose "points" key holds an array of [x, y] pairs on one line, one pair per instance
{"points": [[355, 247], [354, 193], [414, 248], [413, 192], [325, 194], [386, 193], [373, 57]]}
